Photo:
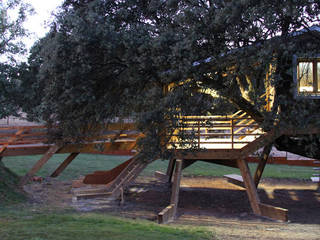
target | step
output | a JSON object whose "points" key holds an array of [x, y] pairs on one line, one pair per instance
{"points": [[316, 162], [77, 197], [316, 168], [316, 174], [235, 179]]}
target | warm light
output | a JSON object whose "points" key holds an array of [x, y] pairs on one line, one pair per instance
{"points": [[306, 89]]}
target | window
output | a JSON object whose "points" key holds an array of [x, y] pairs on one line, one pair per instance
{"points": [[307, 76]]}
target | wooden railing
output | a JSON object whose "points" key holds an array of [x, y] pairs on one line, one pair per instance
{"points": [[215, 132], [26, 135], [211, 132]]}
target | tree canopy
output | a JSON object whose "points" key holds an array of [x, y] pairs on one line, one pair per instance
{"points": [[12, 15], [104, 60]]}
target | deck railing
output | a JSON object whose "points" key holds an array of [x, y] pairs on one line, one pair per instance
{"points": [[215, 132], [210, 132]]}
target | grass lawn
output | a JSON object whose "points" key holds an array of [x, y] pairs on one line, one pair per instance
{"points": [[88, 163], [44, 225]]}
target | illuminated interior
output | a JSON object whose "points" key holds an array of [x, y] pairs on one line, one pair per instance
{"points": [[305, 76], [308, 76]]}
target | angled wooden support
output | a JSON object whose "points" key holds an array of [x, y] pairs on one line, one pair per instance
{"points": [[52, 150], [64, 164], [262, 163], [170, 212], [250, 186], [170, 169]]}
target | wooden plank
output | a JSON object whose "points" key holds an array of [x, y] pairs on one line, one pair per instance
{"points": [[250, 186], [272, 212], [166, 214], [176, 187], [209, 154], [161, 176], [235, 179], [52, 150], [64, 164], [170, 169], [262, 163]]}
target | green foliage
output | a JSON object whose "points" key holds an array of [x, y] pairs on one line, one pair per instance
{"points": [[67, 226], [13, 13], [107, 60]]}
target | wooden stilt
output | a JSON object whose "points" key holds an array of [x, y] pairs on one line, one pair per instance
{"points": [[64, 164], [170, 212], [170, 169], [176, 186], [262, 163], [250, 186], [52, 150]]}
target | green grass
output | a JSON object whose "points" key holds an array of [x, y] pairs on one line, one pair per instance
{"points": [[9, 189], [88, 163], [27, 225]]}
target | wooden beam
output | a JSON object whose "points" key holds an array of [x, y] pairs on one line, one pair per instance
{"points": [[262, 163], [272, 212], [166, 214], [64, 164], [209, 154], [235, 179], [52, 150], [250, 186], [170, 212], [176, 186], [170, 169]]}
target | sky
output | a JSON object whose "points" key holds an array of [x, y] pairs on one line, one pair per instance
{"points": [[37, 24]]}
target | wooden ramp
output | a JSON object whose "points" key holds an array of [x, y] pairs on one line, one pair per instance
{"points": [[116, 179]]}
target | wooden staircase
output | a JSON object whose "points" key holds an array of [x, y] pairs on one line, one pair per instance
{"points": [[115, 188]]}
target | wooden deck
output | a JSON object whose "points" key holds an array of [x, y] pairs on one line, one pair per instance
{"points": [[226, 140]]}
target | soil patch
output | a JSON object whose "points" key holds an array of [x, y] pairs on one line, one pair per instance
{"points": [[204, 201]]}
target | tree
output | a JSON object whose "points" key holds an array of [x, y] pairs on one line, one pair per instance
{"points": [[107, 59], [11, 46]]}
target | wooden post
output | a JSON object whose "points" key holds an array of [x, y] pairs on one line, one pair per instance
{"points": [[232, 133], [64, 164], [176, 187], [250, 186], [170, 169], [170, 212], [198, 133], [262, 163], [52, 150]]}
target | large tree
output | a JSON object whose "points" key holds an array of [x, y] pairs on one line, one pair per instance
{"points": [[13, 13], [108, 59]]}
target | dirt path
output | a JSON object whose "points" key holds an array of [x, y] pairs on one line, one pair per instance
{"points": [[211, 202]]}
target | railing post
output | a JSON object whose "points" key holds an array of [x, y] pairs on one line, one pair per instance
{"points": [[198, 133], [232, 134]]}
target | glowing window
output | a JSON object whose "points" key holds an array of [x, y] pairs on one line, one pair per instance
{"points": [[308, 76]]}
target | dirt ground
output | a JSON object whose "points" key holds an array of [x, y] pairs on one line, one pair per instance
{"points": [[210, 202]]}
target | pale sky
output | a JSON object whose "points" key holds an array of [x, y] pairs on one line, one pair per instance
{"points": [[37, 24]]}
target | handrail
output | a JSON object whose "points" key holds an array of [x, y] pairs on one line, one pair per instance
{"points": [[215, 131]]}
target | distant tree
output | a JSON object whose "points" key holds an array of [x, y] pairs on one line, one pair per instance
{"points": [[107, 59], [13, 13]]}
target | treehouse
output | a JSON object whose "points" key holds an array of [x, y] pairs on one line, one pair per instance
{"points": [[229, 139]]}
